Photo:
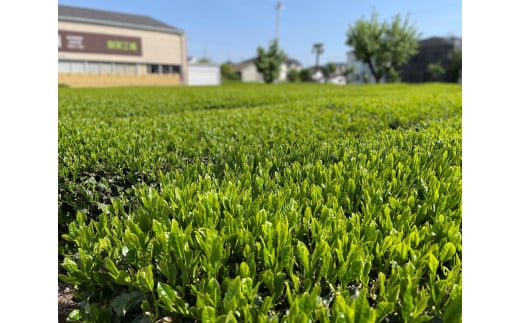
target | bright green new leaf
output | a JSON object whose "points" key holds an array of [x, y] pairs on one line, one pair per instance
{"points": [[364, 313], [208, 314], [213, 290], [453, 311], [421, 306], [447, 251], [383, 309], [233, 295], [111, 268], [145, 277], [433, 264], [170, 300]]}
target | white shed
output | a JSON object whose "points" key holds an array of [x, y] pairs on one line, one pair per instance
{"points": [[203, 74]]}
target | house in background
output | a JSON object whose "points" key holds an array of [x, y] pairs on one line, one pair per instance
{"points": [[337, 77], [317, 74], [340, 68], [287, 66], [248, 72]]}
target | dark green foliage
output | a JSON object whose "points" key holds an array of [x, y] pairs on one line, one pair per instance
{"points": [[305, 75], [228, 73], [329, 69], [435, 70], [393, 76], [293, 75], [318, 50], [269, 62], [454, 69]]}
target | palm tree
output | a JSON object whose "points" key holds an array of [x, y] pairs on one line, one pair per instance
{"points": [[318, 49]]}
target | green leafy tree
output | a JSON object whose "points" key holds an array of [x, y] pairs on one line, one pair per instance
{"points": [[318, 50], [435, 70], [393, 76], [329, 70], [305, 75], [269, 62], [383, 46], [205, 60], [293, 75], [228, 73], [454, 69]]}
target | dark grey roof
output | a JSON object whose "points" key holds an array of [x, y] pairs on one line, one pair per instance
{"points": [[110, 18], [239, 66], [291, 61]]}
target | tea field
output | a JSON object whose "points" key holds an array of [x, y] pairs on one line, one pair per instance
{"points": [[262, 203]]}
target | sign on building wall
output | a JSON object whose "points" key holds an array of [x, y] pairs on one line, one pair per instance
{"points": [[81, 42]]}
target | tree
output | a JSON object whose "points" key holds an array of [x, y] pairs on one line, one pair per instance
{"points": [[435, 70], [318, 50], [293, 75], [329, 69], [305, 75], [454, 69], [205, 60], [228, 73], [393, 76], [269, 63], [383, 46]]}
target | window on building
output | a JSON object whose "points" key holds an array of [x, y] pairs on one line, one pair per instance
{"points": [[120, 68], [63, 67], [153, 69], [72, 67], [131, 69], [163, 69], [93, 67], [167, 69], [77, 67], [105, 68]]}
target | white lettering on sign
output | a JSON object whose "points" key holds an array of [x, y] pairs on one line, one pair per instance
{"points": [[75, 42]]}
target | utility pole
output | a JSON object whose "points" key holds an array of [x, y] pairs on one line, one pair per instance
{"points": [[279, 6]]}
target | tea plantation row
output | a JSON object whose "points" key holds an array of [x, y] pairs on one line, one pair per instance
{"points": [[252, 203]]}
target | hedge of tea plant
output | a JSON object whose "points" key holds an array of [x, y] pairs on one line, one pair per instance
{"points": [[253, 203]]}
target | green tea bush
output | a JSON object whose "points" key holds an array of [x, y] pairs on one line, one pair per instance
{"points": [[250, 203]]}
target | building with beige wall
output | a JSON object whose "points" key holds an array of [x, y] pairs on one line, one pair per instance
{"points": [[104, 48], [249, 73]]}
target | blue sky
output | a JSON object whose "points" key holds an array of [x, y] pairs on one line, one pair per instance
{"points": [[233, 29]]}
